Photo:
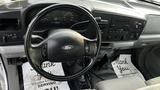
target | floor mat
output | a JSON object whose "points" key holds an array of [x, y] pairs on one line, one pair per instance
{"points": [[123, 67], [33, 81], [104, 73]]}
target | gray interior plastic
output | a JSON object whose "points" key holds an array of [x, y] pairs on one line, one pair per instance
{"points": [[10, 52], [153, 24]]}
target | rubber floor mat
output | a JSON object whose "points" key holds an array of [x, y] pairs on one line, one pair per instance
{"points": [[33, 81], [124, 67]]}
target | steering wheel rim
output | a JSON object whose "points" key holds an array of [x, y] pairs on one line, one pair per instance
{"points": [[29, 36]]}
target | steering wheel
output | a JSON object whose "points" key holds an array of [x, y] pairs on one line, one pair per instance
{"points": [[62, 45]]}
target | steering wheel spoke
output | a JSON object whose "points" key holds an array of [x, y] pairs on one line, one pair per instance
{"points": [[90, 47], [36, 56], [41, 44], [38, 52]]}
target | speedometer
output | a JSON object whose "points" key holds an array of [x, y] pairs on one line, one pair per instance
{"points": [[68, 17]]}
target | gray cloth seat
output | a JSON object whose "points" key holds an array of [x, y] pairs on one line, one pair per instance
{"points": [[129, 83], [151, 87], [153, 81]]}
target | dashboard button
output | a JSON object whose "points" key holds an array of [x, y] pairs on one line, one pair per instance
{"points": [[4, 39]]}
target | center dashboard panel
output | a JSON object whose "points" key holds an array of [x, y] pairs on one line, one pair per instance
{"points": [[120, 28]]}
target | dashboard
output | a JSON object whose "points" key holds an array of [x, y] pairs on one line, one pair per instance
{"points": [[121, 26], [116, 26]]}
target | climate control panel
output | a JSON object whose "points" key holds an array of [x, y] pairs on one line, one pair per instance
{"points": [[121, 30], [11, 38]]}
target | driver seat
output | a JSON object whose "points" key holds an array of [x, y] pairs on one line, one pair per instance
{"points": [[129, 83]]}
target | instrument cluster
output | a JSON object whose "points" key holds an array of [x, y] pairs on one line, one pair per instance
{"points": [[57, 18]]}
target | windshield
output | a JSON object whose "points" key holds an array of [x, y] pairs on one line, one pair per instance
{"points": [[156, 2], [149, 1], [8, 1]]}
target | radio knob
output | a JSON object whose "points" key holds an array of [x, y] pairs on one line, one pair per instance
{"points": [[138, 25], [4, 38]]}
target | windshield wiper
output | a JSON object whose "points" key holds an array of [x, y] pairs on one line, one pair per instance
{"points": [[151, 2]]}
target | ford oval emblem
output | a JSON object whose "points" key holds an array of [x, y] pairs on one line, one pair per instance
{"points": [[67, 47]]}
